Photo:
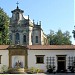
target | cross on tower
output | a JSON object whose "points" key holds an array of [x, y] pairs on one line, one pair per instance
{"points": [[17, 3]]}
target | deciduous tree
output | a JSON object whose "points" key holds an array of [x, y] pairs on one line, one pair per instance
{"points": [[59, 38], [4, 23]]}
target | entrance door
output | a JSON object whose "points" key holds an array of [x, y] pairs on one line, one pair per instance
{"points": [[61, 63]]}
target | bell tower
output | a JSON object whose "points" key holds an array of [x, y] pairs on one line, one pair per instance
{"points": [[17, 14], [16, 26]]}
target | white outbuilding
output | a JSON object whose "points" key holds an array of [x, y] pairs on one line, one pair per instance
{"points": [[38, 56]]}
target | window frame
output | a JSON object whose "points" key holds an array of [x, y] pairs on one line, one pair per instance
{"points": [[42, 56], [36, 39], [0, 59], [17, 15], [17, 38], [24, 39], [10, 35]]}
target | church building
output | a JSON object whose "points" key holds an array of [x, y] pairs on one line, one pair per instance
{"points": [[24, 31], [29, 47]]}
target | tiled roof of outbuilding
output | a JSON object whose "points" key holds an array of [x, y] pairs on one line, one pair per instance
{"points": [[3, 47], [51, 47], [43, 47]]}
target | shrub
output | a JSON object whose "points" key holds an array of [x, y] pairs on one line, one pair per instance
{"points": [[4, 68], [32, 70], [50, 68], [13, 70], [35, 70]]}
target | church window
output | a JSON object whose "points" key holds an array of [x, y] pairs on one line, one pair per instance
{"points": [[0, 59], [17, 40], [39, 59], [32, 39], [17, 16], [36, 38], [24, 38], [10, 36]]}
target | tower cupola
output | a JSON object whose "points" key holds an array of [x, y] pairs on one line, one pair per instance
{"points": [[17, 13]]}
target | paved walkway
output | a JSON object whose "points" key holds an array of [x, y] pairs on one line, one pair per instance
{"points": [[57, 74], [60, 74], [53, 74], [43, 74]]}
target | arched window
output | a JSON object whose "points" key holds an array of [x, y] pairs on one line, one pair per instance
{"points": [[17, 38], [10, 36], [17, 15], [32, 38], [36, 39], [24, 38]]}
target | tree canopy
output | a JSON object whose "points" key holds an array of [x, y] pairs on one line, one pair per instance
{"points": [[4, 23], [73, 33], [59, 38]]}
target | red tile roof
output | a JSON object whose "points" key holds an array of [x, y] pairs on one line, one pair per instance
{"points": [[51, 47], [3, 47], [44, 47]]}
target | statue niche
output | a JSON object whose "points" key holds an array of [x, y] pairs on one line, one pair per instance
{"points": [[18, 64], [19, 67]]}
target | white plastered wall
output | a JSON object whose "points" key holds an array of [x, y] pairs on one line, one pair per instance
{"points": [[4, 58], [47, 53]]}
